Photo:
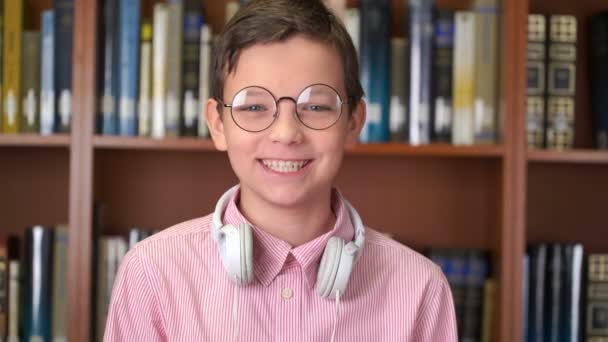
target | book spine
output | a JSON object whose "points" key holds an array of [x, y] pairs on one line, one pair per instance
{"points": [[193, 21], [205, 78], [398, 109], [11, 65], [536, 314], [569, 327], [102, 290], [375, 68], [47, 74], [2, 18], [472, 311], [487, 320], [597, 298], [421, 37], [145, 81], [553, 302], [38, 285], [352, 22], [486, 73], [108, 121], [30, 118], [561, 85], [4, 285], [64, 32], [60, 286], [14, 301], [174, 68], [159, 69], [463, 130], [443, 56], [598, 52], [231, 8], [536, 88], [129, 23]]}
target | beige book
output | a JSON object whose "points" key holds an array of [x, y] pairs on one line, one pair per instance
{"points": [[463, 130]]}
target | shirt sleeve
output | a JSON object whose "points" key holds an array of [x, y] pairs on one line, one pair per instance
{"points": [[437, 319], [134, 313]]}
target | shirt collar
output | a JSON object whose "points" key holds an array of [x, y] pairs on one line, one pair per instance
{"points": [[271, 253]]}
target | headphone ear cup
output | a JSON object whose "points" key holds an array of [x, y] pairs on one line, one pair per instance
{"points": [[246, 237], [328, 268]]}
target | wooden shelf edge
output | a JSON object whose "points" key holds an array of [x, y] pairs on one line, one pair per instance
{"points": [[431, 150], [138, 143], [582, 156], [28, 139]]}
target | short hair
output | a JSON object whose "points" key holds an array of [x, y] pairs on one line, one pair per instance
{"points": [[268, 21]]}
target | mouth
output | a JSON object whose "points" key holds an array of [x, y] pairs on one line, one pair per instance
{"points": [[285, 166]]}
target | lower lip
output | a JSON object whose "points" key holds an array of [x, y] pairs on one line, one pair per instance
{"points": [[296, 173]]}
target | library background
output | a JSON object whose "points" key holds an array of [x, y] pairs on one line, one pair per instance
{"points": [[487, 140]]}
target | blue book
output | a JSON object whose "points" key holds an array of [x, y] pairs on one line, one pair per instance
{"points": [[37, 291], [108, 117], [421, 38], [64, 32], [193, 21], [128, 76], [375, 68], [47, 74]]}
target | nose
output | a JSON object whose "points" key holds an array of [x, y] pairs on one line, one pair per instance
{"points": [[287, 128]]}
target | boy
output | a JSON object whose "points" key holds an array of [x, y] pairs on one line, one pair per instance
{"points": [[284, 256]]}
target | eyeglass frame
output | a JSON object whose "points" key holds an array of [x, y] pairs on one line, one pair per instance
{"points": [[276, 113]]}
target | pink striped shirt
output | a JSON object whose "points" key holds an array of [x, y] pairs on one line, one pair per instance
{"points": [[173, 287]]}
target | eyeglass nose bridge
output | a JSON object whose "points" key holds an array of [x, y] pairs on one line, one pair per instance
{"points": [[295, 102]]}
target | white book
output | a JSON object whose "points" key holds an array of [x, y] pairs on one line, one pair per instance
{"points": [[352, 22], [231, 8], [204, 79], [159, 69], [145, 83], [174, 68], [463, 125], [14, 292]]}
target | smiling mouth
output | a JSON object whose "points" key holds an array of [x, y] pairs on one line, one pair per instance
{"points": [[284, 166]]}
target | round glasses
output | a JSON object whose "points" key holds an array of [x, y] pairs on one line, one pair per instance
{"points": [[254, 108]]}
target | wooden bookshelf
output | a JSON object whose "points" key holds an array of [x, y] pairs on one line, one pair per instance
{"points": [[578, 156], [60, 140]]}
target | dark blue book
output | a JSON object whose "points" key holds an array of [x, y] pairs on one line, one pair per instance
{"points": [[477, 271], [443, 45], [375, 68], [37, 291], [128, 76], [598, 52], [64, 32], [553, 286], [536, 300], [193, 21], [421, 38], [108, 78]]}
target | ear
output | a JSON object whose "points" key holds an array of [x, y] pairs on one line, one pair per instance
{"points": [[215, 124], [355, 125]]}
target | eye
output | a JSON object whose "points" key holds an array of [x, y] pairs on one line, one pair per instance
{"points": [[316, 107], [252, 108]]}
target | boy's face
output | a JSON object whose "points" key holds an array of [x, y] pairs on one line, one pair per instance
{"points": [[287, 164]]}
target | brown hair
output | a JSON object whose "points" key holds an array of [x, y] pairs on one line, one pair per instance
{"points": [[267, 21]]}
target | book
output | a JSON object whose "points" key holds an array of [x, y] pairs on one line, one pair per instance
{"points": [[398, 108], [47, 74], [352, 21], [231, 8], [537, 289], [30, 84], [160, 47], [4, 285], [536, 89], [37, 289], [128, 59], [193, 21], [598, 75], [205, 76], [561, 82], [144, 107], [486, 70], [11, 65], [443, 57], [477, 271], [597, 298], [64, 33], [463, 82], [489, 308], [107, 123], [554, 292], [375, 68], [421, 42], [174, 68], [60, 283], [570, 328], [14, 301]]}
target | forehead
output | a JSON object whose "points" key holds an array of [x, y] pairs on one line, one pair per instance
{"points": [[286, 67]]}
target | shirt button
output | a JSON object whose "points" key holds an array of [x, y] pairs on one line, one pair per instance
{"points": [[287, 293]]}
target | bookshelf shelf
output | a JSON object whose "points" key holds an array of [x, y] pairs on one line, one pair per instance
{"points": [[432, 150], [581, 156], [137, 143], [60, 140]]}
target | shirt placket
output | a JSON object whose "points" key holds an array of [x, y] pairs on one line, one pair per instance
{"points": [[288, 291]]}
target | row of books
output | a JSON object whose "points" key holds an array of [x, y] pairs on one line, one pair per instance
{"points": [[33, 289], [565, 294], [36, 87], [468, 273]]}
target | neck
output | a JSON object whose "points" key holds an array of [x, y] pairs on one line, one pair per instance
{"points": [[295, 226]]}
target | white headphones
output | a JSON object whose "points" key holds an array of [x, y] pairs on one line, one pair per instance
{"points": [[235, 246]]}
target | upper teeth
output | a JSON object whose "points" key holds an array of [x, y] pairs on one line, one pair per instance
{"points": [[284, 165]]}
